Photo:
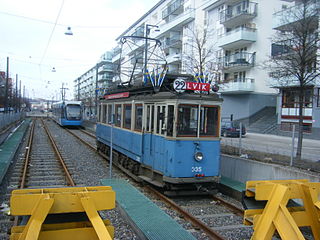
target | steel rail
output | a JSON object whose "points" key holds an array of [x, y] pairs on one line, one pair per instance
{"points": [[58, 154], [194, 221], [88, 133], [232, 207], [27, 156], [81, 140]]}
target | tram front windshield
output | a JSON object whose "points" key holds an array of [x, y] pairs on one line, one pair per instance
{"points": [[188, 124], [73, 112]]}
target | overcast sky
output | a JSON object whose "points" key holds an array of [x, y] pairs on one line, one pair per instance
{"points": [[35, 44]]}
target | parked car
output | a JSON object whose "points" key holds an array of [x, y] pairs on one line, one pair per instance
{"points": [[232, 129]]}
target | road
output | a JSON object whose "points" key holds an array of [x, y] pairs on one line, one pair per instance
{"points": [[276, 145]]}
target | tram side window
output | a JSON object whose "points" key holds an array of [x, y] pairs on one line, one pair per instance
{"points": [[109, 118], [117, 120], [170, 120], [127, 116], [138, 119], [150, 118], [160, 127], [103, 113], [209, 121], [187, 120], [99, 113]]}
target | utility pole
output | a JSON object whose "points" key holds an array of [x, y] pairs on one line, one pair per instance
{"points": [[16, 100], [20, 97], [6, 90], [96, 91], [78, 88], [63, 92], [24, 95]]}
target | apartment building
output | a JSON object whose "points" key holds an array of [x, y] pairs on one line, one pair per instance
{"points": [[288, 104], [240, 32], [93, 83], [240, 37]]}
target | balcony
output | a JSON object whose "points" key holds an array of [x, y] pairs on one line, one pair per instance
{"points": [[284, 18], [237, 37], [173, 8], [176, 23], [174, 42], [174, 58], [237, 61], [106, 68], [238, 14], [236, 86]]}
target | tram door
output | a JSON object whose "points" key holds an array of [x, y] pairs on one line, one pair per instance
{"points": [[160, 134]]}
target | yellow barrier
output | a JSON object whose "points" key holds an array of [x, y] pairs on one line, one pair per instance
{"points": [[279, 214], [38, 203]]}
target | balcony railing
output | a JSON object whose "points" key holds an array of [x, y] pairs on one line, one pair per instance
{"points": [[238, 85], [176, 22], [174, 58], [172, 8], [293, 14], [172, 42], [239, 13], [238, 36], [106, 68], [237, 60]]}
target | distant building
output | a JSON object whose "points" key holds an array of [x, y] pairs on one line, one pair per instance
{"points": [[93, 83]]}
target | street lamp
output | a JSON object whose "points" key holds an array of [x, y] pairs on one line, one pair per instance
{"points": [[148, 27], [68, 32]]}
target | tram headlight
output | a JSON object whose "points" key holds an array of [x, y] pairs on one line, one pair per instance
{"points": [[198, 156]]}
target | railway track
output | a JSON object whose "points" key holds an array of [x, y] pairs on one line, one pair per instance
{"points": [[41, 166], [216, 217], [205, 218], [44, 164]]}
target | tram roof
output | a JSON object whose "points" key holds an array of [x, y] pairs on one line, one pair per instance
{"points": [[166, 91]]}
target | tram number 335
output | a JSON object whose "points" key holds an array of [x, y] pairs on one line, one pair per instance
{"points": [[196, 169]]}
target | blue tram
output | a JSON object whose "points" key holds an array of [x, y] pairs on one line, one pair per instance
{"points": [[167, 138], [67, 113]]}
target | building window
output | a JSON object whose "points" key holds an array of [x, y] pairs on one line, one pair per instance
{"points": [[117, 120], [288, 126], [127, 116], [290, 98], [138, 117]]}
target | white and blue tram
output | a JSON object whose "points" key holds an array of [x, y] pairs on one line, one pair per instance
{"points": [[67, 113], [169, 139]]}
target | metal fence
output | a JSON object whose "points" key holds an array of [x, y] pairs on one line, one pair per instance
{"points": [[7, 118]]}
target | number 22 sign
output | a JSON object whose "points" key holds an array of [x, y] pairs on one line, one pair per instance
{"points": [[179, 85]]}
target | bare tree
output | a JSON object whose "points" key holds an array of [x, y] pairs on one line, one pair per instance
{"points": [[199, 54], [295, 59]]}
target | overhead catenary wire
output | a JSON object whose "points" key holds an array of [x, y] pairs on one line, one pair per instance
{"points": [[55, 24]]}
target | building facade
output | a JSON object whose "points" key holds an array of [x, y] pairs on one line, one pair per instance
{"points": [[238, 38], [237, 45], [93, 83], [289, 20]]}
